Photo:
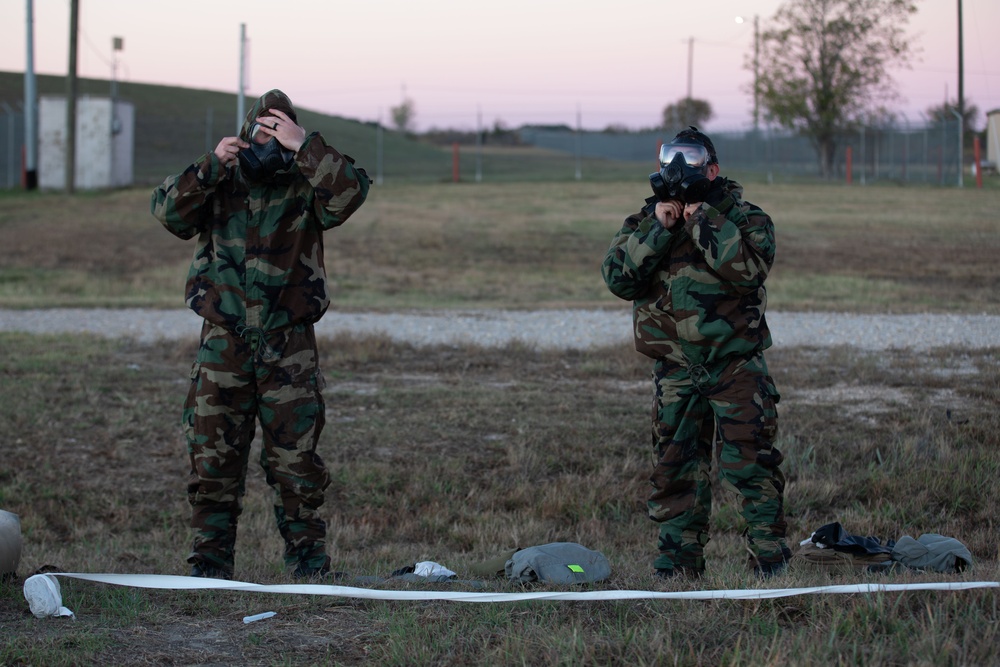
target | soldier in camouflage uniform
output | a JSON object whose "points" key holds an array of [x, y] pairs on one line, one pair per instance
{"points": [[258, 280], [695, 273]]}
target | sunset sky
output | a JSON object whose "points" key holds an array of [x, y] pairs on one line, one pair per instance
{"points": [[517, 61]]}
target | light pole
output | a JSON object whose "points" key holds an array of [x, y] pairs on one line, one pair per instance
{"points": [[756, 76], [241, 93], [690, 64], [30, 106], [117, 44], [756, 70]]}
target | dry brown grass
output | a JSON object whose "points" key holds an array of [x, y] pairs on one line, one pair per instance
{"points": [[527, 245], [454, 454]]}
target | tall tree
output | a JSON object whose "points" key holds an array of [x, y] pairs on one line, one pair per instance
{"points": [[823, 65], [404, 115], [684, 112]]}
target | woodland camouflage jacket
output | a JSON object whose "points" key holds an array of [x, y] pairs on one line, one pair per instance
{"points": [[698, 289], [258, 263]]}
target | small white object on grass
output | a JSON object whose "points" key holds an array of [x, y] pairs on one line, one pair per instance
{"points": [[259, 617], [44, 596]]}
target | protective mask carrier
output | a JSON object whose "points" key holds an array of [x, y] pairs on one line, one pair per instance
{"points": [[261, 162]]}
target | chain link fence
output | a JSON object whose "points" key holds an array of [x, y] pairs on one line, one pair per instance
{"points": [[927, 154], [897, 153], [11, 145]]}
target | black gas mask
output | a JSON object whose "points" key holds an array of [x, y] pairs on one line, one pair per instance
{"points": [[260, 162], [682, 175]]}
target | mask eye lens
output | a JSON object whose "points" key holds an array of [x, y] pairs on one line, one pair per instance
{"points": [[694, 155], [255, 135]]}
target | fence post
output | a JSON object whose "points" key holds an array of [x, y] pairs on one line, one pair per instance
{"points": [[454, 162], [849, 159], [976, 162], [906, 150], [864, 157], [11, 153]]}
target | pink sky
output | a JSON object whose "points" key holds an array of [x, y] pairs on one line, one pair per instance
{"points": [[519, 61]]}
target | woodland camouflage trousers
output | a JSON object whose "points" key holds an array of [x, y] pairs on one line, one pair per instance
{"points": [[237, 381], [727, 410]]}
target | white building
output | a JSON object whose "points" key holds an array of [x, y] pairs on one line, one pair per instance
{"points": [[992, 139], [105, 142]]}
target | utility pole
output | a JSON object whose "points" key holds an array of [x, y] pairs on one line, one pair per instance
{"points": [[961, 99], [690, 63], [74, 19], [961, 65], [240, 102], [756, 62], [30, 107], [117, 43]]}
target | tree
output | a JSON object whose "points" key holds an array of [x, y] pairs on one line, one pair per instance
{"points": [[824, 65], [942, 115], [684, 112], [616, 128], [404, 115]]}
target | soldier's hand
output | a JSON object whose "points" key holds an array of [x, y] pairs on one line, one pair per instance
{"points": [[690, 209], [228, 148], [288, 133], [668, 212]]}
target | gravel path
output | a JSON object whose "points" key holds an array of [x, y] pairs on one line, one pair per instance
{"points": [[546, 329]]}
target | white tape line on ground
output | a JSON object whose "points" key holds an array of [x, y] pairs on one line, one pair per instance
{"points": [[175, 582]]}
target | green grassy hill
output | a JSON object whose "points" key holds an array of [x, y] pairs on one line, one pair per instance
{"points": [[176, 125]]}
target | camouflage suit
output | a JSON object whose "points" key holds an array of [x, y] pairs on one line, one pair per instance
{"points": [[698, 310], [258, 280]]}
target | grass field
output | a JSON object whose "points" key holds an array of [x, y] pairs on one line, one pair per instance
{"points": [[525, 245], [457, 454]]}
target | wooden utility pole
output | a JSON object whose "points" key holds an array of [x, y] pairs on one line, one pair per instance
{"points": [[74, 14], [961, 65], [961, 101]]}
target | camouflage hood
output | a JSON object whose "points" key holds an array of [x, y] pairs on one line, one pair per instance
{"points": [[272, 99]]}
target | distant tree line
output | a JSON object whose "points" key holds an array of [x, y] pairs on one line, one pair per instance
{"points": [[820, 70]]}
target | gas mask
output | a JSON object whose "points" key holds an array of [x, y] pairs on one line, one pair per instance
{"points": [[260, 162], [682, 174]]}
